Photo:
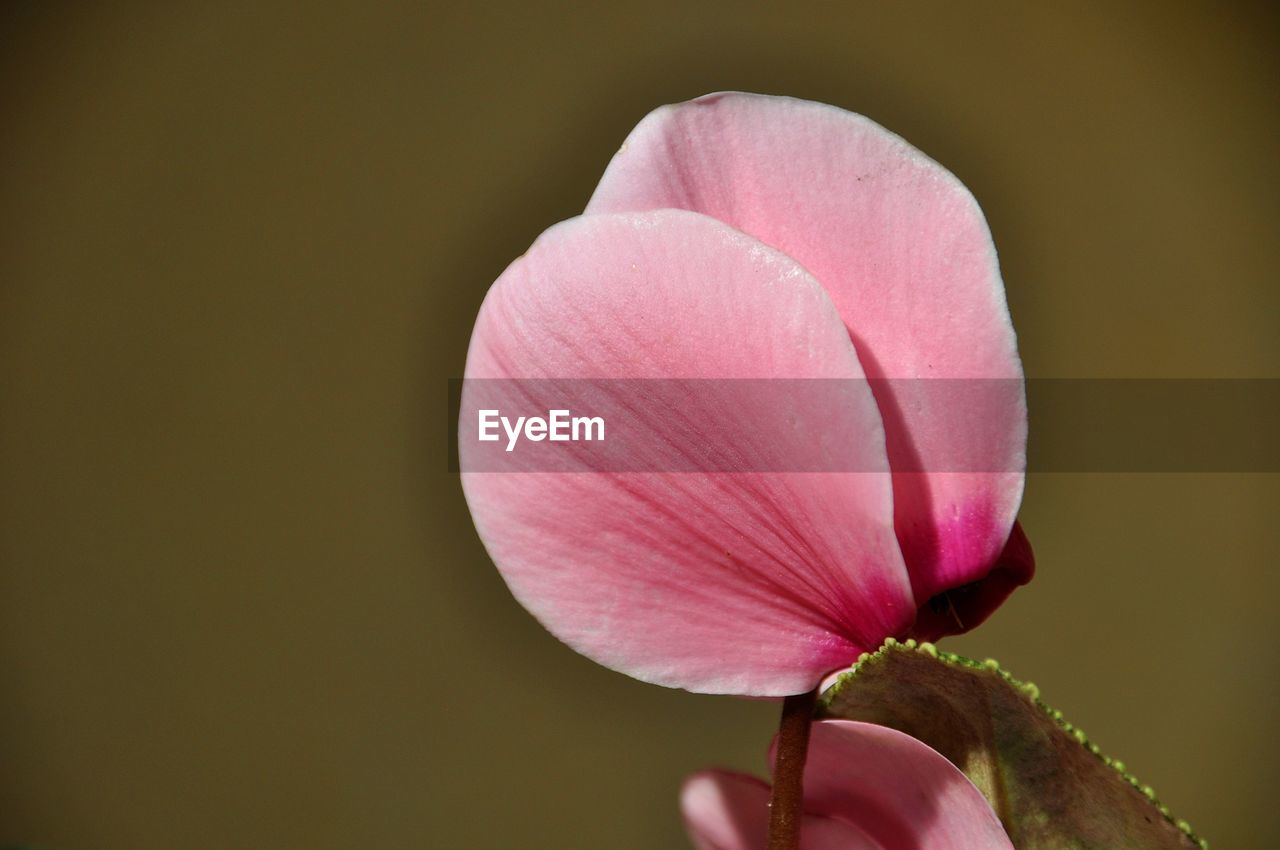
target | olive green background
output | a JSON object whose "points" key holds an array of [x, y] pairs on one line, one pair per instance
{"points": [[241, 249]]}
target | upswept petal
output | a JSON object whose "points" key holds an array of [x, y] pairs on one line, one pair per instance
{"points": [[730, 811], [905, 253], [867, 787], [900, 791], [725, 582]]}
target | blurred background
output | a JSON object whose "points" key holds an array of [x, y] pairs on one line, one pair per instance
{"points": [[241, 249]]}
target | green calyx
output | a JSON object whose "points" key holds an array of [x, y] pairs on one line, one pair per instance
{"points": [[1051, 787]]}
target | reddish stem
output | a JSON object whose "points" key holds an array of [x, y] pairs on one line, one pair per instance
{"points": [[786, 802]]}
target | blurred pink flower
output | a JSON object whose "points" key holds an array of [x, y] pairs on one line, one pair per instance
{"points": [[741, 236], [867, 787]]}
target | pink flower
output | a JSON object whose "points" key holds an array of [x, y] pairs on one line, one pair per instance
{"points": [[867, 787], [741, 236]]}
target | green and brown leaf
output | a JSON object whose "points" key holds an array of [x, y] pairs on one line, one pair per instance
{"points": [[1050, 786]]}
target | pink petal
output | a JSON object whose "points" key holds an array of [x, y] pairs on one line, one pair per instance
{"points": [[730, 811], [971, 604], [897, 789], [866, 786], [725, 582], [725, 811], [905, 253]]}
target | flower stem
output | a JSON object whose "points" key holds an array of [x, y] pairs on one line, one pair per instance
{"points": [[786, 802]]}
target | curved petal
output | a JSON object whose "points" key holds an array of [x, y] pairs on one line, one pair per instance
{"points": [[750, 583], [968, 605], [730, 811], [899, 791], [905, 253], [725, 811]]}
